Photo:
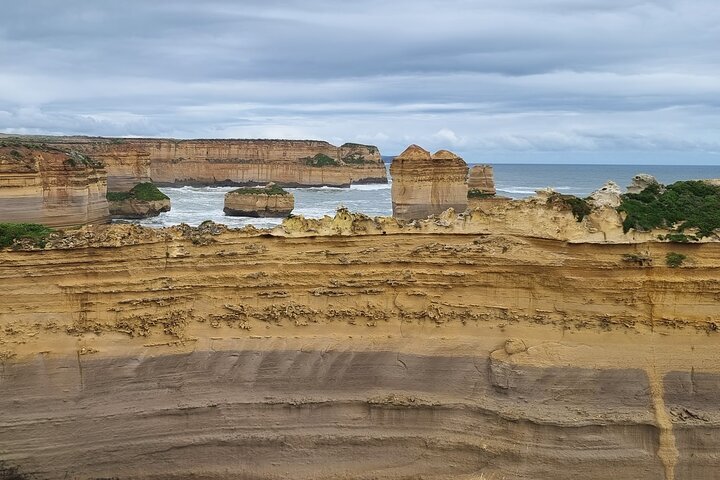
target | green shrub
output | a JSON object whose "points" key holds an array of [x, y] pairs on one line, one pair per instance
{"points": [[674, 260], [16, 231], [477, 193], [579, 207], [321, 160], [271, 190], [355, 159], [682, 205], [145, 192]]}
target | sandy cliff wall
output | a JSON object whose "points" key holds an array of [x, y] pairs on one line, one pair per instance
{"points": [[213, 354], [425, 184], [481, 178], [229, 162], [43, 185]]}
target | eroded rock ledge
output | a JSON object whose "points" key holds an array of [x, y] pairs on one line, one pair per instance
{"points": [[361, 348]]}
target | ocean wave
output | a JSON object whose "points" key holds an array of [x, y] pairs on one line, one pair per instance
{"points": [[370, 186]]}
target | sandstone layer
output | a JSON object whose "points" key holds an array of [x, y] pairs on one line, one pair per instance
{"points": [[351, 347], [425, 184], [481, 178], [229, 161], [44, 185], [245, 204]]}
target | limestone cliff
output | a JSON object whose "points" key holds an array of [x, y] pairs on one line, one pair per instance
{"points": [[229, 161], [425, 184], [351, 347], [482, 179], [44, 185]]}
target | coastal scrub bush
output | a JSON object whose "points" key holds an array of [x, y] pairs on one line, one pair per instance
{"points": [[10, 232], [11, 473], [145, 192], [674, 260], [321, 160], [580, 207], [271, 190], [477, 193], [682, 205], [355, 159]]}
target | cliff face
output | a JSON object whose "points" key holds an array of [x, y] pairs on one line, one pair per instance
{"points": [[481, 178], [230, 162], [134, 208], [425, 184], [47, 186], [358, 348]]}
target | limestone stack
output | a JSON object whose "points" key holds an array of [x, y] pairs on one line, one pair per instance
{"points": [[481, 178], [270, 201], [51, 187], [142, 201], [425, 184]]}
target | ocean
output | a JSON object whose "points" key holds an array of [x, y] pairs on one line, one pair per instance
{"points": [[194, 205]]}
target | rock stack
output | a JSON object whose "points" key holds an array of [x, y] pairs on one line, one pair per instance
{"points": [[47, 186], [269, 201], [425, 184], [481, 179], [142, 201]]}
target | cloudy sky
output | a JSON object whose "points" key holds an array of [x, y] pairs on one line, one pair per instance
{"points": [[615, 81]]}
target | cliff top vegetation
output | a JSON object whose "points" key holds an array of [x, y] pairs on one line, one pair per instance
{"points": [[269, 190], [9, 232], [145, 192], [681, 206]]}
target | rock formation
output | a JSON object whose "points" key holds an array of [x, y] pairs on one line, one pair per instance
{"points": [[270, 201], [142, 201], [229, 162], [359, 348], [640, 182], [482, 180], [425, 184], [50, 187], [607, 196]]}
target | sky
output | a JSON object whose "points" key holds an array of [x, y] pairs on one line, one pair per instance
{"points": [[548, 81]]}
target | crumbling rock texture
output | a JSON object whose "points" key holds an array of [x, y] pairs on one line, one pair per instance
{"points": [[351, 347], [133, 208], [51, 187], [425, 184]]}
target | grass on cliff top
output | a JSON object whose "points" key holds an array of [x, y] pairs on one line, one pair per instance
{"points": [[321, 160], [477, 193], [580, 207], [16, 231], [271, 190], [145, 192], [681, 206]]}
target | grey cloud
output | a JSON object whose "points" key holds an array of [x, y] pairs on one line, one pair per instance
{"points": [[489, 75]]}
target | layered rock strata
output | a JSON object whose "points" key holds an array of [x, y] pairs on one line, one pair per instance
{"points": [[50, 187], [425, 184], [258, 202], [481, 179], [357, 348], [230, 162]]}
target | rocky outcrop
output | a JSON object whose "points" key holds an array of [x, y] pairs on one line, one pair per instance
{"points": [[609, 195], [481, 179], [142, 201], [640, 182], [50, 187], [425, 184], [230, 162], [428, 351], [135, 209], [269, 201]]}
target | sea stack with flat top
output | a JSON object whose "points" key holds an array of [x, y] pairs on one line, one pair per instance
{"points": [[268, 201], [425, 184]]}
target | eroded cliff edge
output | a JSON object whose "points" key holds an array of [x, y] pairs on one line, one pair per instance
{"points": [[169, 162], [358, 348]]}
